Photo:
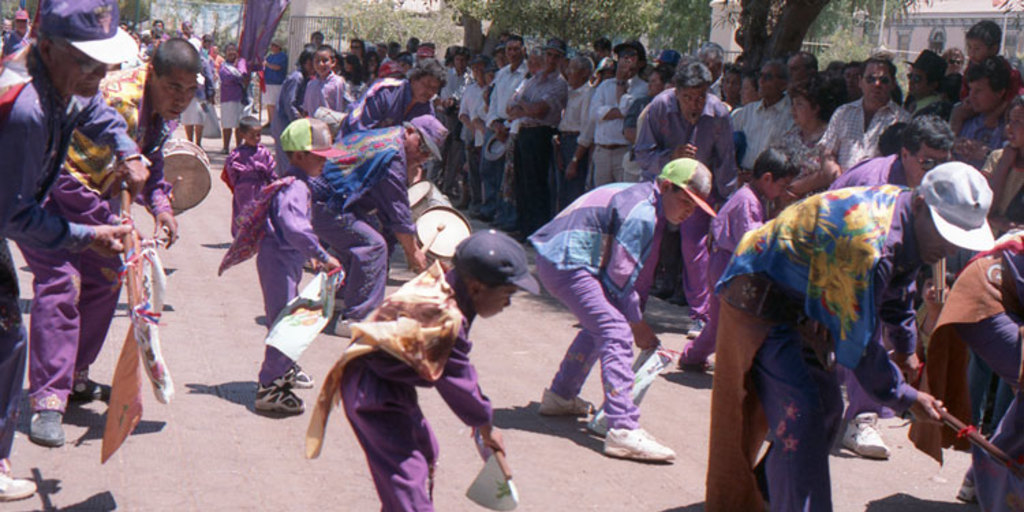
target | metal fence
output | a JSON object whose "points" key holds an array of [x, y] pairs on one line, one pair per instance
{"points": [[300, 28]]}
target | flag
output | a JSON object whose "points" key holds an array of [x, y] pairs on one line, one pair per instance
{"points": [[259, 21]]}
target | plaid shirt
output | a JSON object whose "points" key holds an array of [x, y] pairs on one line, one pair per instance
{"points": [[846, 137]]}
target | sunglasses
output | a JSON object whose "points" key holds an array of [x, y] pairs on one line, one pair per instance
{"points": [[884, 80], [928, 164]]}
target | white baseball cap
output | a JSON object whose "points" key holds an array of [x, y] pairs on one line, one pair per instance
{"points": [[959, 199]]}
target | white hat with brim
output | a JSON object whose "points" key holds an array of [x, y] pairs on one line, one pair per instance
{"points": [[959, 199], [115, 50]]}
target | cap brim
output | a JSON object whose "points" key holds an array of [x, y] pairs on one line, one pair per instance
{"points": [[331, 152], [434, 150], [528, 283], [700, 202], [115, 50], [977, 239]]}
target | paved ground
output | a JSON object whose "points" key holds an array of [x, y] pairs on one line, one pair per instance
{"points": [[208, 450]]}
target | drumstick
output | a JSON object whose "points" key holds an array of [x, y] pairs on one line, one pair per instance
{"points": [[939, 280], [975, 437], [440, 228]]}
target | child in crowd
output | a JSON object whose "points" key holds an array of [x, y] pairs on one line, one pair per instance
{"points": [[745, 211], [248, 168], [325, 89], [1003, 170], [379, 390], [290, 242]]}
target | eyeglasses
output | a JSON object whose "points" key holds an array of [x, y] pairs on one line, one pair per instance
{"points": [[928, 164], [881, 79]]}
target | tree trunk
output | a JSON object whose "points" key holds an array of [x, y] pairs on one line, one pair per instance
{"points": [[472, 34], [772, 28]]}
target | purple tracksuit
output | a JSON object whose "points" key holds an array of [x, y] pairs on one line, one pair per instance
{"points": [[34, 140], [379, 394], [76, 293], [743, 212], [604, 316], [289, 243], [247, 170], [661, 131], [876, 171], [328, 92], [356, 237], [388, 102]]}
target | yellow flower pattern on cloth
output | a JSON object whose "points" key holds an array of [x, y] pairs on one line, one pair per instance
{"points": [[827, 245]]}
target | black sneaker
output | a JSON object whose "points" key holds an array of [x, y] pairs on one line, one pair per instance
{"points": [[88, 391], [278, 397], [47, 429], [298, 378]]}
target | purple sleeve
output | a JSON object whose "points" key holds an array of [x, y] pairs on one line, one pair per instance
{"points": [[266, 158], [334, 94], [374, 109], [630, 305], [725, 157], [104, 124], [651, 152], [392, 198], [997, 341], [735, 220], [882, 379], [22, 219], [895, 297], [157, 191], [460, 387], [292, 218]]}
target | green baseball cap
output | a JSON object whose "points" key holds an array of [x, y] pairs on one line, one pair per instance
{"points": [[308, 134], [691, 176]]}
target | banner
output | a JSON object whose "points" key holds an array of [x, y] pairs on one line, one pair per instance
{"points": [[259, 23], [222, 21]]}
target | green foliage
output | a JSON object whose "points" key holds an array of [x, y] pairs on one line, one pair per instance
{"points": [[681, 24], [380, 21]]}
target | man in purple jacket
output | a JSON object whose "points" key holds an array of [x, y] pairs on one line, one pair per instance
{"points": [[391, 101], [77, 42]]}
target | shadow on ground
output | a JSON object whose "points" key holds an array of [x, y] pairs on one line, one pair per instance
{"points": [[906, 503], [238, 392], [695, 507], [694, 380], [224, 245], [90, 416], [526, 418], [48, 487]]}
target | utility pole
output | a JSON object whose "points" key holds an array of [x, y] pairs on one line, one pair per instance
{"points": [[881, 26]]}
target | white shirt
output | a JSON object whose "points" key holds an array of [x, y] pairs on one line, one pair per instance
{"points": [[576, 116], [506, 82], [762, 126], [609, 132], [472, 107], [455, 86], [847, 138]]}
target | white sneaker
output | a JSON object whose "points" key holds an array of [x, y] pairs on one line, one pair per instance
{"points": [[967, 493], [553, 405], [12, 489], [862, 437], [636, 444]]}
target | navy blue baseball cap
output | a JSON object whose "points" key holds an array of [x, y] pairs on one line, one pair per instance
{"points": [[91, 26], [670, 57], [495, 259]]}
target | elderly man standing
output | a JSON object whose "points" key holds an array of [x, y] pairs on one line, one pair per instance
{"points": [[575, 134], [608, 108], [853, 132], [76, 293], [801, 66], [538, 108], [77, 42], [687, 121], [768, 119], [506, 81], [712, 55]]}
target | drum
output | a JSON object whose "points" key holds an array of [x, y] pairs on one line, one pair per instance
{"points": [[424, 195], [187, 169], [440, 229]]}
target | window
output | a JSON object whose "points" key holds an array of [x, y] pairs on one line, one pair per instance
{"points": [[937, 40], [903, 41]]}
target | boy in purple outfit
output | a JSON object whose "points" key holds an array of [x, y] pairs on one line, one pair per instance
{"points": [[687, 121], [390, 101], [248, 168], [743, 212], [598, 258], [234, 80], [288, 244], [325, 89], [379, 390], [77, 42]]}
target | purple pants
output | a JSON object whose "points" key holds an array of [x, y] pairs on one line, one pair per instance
{"points": [[606, 335], [280, 270], [12, 353], [400, 447], [698, 350], [693, 241], [75, 298], [802, 404], [363, 253]]}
